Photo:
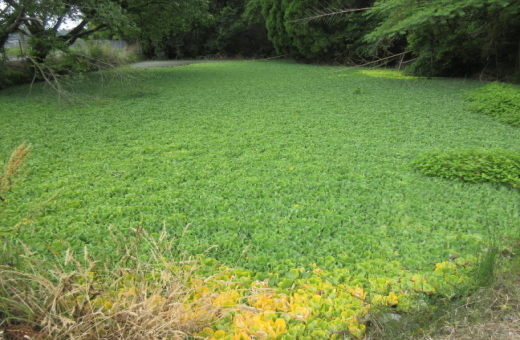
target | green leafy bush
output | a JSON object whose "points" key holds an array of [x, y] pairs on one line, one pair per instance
{"points": [[501, 101], [497, 166]]}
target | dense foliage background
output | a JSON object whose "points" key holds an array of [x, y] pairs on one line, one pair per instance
{"points": [[315, 40], [441, 37]]}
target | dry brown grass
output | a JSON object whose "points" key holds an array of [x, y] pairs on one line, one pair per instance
{"points": [[83, 299], [492, 313]]}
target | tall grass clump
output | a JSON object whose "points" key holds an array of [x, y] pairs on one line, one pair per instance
{"points": [[101, 56], [14, 167], [487, 266], [82, 298], [90, 56], [496, 166], [499, 100]]}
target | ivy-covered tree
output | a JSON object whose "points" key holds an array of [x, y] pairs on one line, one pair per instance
{"points": [[156, 20], [316, 40], [239, 29]]}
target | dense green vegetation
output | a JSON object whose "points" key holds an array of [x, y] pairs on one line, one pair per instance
{"points": [[231, 28], [315, 40], [302, 163], [453, 38]]}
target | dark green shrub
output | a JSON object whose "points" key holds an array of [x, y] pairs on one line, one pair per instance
{"points": [[497, 166], [10, 76], [501, 101], [17, 77]]}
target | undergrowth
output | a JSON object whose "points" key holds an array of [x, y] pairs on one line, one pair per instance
{"points": [[496, 166], [499, 100], [490, 312], [14, 73], [12, 52], [63, 70], [92, 56]]}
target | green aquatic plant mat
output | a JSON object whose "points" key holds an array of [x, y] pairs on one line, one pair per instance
{"points": [[286, 160]]}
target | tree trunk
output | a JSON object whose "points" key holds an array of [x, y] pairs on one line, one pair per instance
{"points": [[518, 59]]}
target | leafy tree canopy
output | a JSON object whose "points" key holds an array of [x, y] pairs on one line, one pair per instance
{"points": [[318, 40], [451, 37], [400, 17], [41, 20]]}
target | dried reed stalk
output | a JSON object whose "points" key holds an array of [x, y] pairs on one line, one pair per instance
{"points": [[13, 168]]}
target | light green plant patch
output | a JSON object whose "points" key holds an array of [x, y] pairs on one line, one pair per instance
{"points": [[387, 74], [320, 303], [210, 65]]}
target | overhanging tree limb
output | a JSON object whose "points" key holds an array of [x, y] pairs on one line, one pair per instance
{"points": [[327, 14], [72, 39]]}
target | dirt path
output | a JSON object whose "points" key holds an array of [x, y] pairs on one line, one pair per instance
{"points": [[172, 63]]}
